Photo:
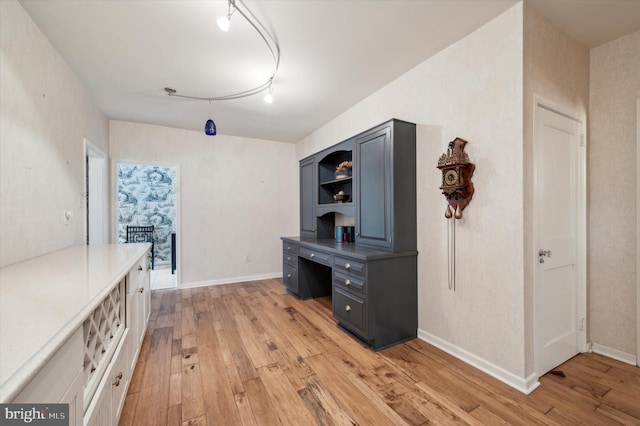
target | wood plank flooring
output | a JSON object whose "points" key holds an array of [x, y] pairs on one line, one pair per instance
{"points": [[251, 354]]}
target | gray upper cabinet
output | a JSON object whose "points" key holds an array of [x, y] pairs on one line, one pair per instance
{"points": [[307, 197], [386, 186]]}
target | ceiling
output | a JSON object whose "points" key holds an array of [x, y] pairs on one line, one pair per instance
{"points": [[334, 53]]}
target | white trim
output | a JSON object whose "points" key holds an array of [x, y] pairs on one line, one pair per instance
{"points": [[231, 280], [525, 385], [100, 178], [581, 261], [614, 354], [638, 232]]}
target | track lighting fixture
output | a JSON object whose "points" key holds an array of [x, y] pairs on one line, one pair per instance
{"points": [[270, 42]]}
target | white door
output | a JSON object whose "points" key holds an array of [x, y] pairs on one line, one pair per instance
{"points": [[558, 184]]}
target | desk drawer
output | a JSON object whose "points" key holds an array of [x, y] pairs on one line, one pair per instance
{"points": [[290, 277], [290, 259], [139, 271], [315, 255], [351, 266], [349, 309], [351, 283], [290, 248]]}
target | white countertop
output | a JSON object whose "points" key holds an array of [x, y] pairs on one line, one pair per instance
{"points": [[44, 299]]}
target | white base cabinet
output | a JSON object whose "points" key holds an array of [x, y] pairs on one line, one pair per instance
{"points": [[108, 400], [60, 381], [92, 370]]}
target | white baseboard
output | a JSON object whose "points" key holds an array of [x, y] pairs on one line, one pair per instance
{"points": [[524, 385], [195, 284], [614, 354]]}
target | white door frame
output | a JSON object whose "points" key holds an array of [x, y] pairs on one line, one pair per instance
{"points": [[96, 183], [638, 232], [581, 237], [114, 206]]}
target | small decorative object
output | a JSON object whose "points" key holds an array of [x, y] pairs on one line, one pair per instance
{"points": [[341, 197], [339, 234], [343, 170]]}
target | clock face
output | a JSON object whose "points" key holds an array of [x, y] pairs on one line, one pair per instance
{"points": [[450, 177]]}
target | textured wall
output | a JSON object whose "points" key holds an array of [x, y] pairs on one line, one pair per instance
{"points": [[472, 90], [615, 86], [236, 197], [556, 68], [45, 114]]}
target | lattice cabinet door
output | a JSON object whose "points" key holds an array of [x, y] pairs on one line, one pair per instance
{"points": [[102, 331]]}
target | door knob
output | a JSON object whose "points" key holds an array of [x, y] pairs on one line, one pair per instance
{"points": [[542, 254]]}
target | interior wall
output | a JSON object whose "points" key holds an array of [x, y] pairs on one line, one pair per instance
{"points": [[472, 90], [45, 112], [615, 86], [237, 197], [556, 69]]}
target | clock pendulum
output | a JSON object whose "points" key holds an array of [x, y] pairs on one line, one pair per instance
{"points": [[458, 189]]}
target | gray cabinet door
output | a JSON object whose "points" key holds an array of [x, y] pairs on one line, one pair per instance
{"points": [[308, 198], [373, 179]]}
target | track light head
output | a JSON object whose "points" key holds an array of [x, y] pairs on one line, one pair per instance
{"points": [[224, 22]]}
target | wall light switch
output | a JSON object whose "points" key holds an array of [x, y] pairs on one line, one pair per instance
{"points": [[68, 215]]}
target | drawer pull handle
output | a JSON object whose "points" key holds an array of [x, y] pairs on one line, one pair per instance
{"points": [[312, 255], [347, 282], [141, 290], [288, 247], [116, 382], [139, 267], [288, 275], [288, 258], [347, 308], [347, 266]]}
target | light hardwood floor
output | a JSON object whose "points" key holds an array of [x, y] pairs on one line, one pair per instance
{"points": [[250, 354]]}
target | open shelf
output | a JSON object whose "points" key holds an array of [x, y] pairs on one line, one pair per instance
{"points": [[329, 184]]}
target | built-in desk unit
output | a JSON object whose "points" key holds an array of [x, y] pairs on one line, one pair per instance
{"points": [[372, 278]]}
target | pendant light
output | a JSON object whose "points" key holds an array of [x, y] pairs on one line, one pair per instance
{"points": [[210, 126]]}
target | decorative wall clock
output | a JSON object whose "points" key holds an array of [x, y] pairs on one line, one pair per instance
{"points": [[456, 177]]}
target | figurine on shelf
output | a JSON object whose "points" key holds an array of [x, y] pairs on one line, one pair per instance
{"points": [[344, 170], [341, 197]]}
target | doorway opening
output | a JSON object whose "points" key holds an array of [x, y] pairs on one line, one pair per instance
{"points": [[559, 232], [96, 195], [147, 196]]}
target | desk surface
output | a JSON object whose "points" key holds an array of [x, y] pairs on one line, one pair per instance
{"points": [[348, 249], [45, 299]]}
